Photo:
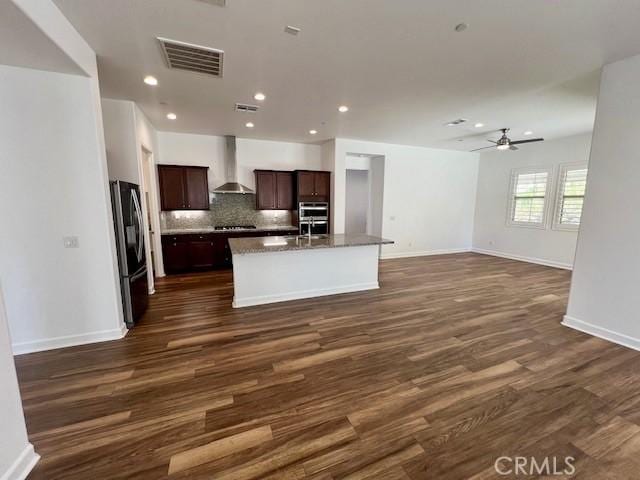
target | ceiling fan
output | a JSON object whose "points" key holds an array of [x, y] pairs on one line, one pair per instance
{"points": [[505, 143]]}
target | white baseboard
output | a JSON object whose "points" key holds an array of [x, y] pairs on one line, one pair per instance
{"points": [[23, 465], [604, 333], [424, 253], [510, 256], [250, 301], [21, 348]]}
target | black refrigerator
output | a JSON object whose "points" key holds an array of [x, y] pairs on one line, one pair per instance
{"points": [[132, 260]]}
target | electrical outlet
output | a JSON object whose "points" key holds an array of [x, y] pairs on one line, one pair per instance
{"points": [[71, 242]]}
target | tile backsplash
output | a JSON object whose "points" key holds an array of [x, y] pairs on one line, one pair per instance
{"points": [[225, 209]]}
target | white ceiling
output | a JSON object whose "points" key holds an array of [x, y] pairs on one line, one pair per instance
{"points": [[399, 65]]}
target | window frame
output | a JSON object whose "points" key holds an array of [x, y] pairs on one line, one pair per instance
{"points": [[511, 203], [562, 173]]}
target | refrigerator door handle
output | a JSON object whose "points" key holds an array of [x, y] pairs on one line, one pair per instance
{"points": [[139, 274], [119, 229], [140, 245]]}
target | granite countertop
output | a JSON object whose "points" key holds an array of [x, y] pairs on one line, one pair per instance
{"points": [[243, 246], [266, 228]]}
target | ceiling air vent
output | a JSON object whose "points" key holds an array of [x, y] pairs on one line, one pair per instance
{"points": [[243, 107], [220, 3], [194, 58], [457, 121]]}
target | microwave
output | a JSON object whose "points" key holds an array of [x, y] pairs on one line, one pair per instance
{"points": [[319, 210], [313, 217]]}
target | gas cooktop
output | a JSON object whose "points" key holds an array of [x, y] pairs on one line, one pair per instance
{"points": [[234, 227]]}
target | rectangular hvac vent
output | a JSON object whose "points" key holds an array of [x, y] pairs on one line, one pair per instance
{"points": [[220, 3], [195, 58], [243, 107], [455, 122]]}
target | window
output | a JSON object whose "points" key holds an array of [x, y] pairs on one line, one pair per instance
{"points": [[571, 188], [528, 197]]}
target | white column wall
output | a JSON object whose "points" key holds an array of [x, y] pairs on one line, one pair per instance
{"points": [[605, 299]]}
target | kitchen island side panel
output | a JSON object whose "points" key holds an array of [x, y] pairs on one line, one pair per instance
{"points": [[270, 277]]}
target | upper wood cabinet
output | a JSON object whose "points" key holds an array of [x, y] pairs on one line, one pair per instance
{"points": [[274, 190], [313, 186], [183, 187], [284, 191]]}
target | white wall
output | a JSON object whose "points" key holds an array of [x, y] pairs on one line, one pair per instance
{"points": [[120, 140], [16, 453], [605, 297], [491, 232], [429, 196], [190, 149], [147, 140], [54, 184], [205, 150], [265, 154]]}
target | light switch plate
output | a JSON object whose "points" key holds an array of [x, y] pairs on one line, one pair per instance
{"points": [[71, 242]]}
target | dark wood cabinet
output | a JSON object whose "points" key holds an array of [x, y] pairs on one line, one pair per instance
{"points": [[265, 190], [201, 253], [183, 187], [274, 190], [306, 184], [192, 252], [284, 191], [175, 254], [197, 188], [172, 186], [313, 186], [323, 185]]}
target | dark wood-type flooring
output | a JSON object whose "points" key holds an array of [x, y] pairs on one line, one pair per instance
{"points": [[457, 360]]}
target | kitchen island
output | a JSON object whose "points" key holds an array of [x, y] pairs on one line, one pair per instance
{"points": [[280, 268]]}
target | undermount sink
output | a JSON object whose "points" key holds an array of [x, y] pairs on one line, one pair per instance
{"points": [[312, 237]]}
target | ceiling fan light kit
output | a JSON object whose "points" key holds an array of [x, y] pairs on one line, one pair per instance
{"points": [[505, 143]]}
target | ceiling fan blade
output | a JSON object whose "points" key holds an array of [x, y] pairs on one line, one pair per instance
{"points": [[492, 141], [483, 148], [513, 147], [531, 140]]}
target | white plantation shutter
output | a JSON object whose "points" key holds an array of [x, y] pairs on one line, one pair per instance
{"points": [[528, 197], [572, 185]]}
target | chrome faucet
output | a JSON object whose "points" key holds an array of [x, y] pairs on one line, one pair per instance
{"points": [[310, 224]]}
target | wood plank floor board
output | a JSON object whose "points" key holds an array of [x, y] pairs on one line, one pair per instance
{"points": [[455, 361]]}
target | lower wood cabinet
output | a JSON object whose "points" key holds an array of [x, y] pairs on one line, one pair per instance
{"points": [[194, 252], [175, 255]]}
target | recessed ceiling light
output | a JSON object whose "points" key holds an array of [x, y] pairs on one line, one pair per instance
{"points": [[149, 80], [260, 96], [343, 109], [313, 132], [249, 125], [528, 132], [461, 27], [171, 116], [479, 125]]}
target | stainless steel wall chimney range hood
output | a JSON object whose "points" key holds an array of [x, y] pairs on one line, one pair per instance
{"points": [[231, 170]]}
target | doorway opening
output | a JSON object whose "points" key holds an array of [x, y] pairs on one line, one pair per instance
{"points": [[364, 194]]}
